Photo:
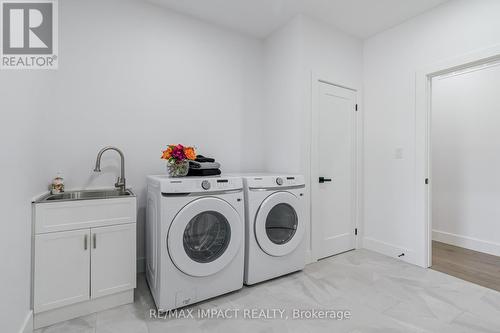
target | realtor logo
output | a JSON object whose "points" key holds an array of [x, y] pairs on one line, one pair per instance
{"points": [[29, 34]]}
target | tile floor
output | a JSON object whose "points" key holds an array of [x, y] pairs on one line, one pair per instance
{"points": [[383, 295]]}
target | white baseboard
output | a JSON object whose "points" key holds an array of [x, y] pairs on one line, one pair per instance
{"points": [[390, 250], [141, 265], [467, 242], [27, 324]]}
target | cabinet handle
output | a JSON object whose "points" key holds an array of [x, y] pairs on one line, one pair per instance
{"points": [[94, 240], [85, 242]]}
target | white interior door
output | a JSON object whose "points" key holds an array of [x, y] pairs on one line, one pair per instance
{"points": [[333, 170], [62, 269], [113, 259]]}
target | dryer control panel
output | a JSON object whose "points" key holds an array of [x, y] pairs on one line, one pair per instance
{"points": [[274, 181]]}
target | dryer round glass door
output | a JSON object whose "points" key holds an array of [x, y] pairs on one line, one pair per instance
{"points": [[204, 237], [281, 223], [278, 226]]}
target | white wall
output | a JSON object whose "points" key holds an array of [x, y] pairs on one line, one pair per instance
{"points": [[139, 77], [24, 94], [293, 53], [301, 47], [391, 60], [466, 159], [332, 54], [283, 91]]}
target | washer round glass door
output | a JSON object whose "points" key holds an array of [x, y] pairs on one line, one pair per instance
{"points": [[207, 236], [278, 227], [204, 236]]}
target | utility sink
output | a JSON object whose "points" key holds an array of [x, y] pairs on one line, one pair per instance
{"points": [[86, 195], [84, 253]]}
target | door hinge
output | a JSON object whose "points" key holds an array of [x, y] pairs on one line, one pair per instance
{"points": [[356, 107], [356, 231], [426, 181]]}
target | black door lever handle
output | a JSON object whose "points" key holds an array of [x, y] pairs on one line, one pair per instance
{"points": [[323, 180]]}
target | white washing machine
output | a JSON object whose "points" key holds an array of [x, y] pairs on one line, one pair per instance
{"points": [[194, 238], [275, 226]]}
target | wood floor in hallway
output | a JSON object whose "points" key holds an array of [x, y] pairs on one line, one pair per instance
{"points": [[476, 267]]}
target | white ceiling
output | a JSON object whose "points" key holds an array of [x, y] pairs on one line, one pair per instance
{"points": [[361, 18]]}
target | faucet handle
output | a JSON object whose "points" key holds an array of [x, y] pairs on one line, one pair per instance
{"points": [[120, 183]]}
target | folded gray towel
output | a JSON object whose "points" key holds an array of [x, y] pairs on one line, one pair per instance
{"points": [[204, 165]]}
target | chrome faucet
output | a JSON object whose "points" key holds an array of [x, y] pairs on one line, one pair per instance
{"points": [[120, 183]]}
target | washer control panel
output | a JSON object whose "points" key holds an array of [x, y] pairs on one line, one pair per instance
{"points": [[223, 184], [205, 185], [198, 184]]}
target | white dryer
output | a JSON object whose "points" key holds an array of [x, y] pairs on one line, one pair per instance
{"points": [[194, 238], [275, 226]]}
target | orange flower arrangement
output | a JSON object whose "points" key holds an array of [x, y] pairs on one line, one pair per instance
{"points": [[190, 153], [167, 154], [178, 153]]}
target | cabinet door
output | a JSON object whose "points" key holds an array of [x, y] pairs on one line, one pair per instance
{"points": [[62, 269], [113, 259]]}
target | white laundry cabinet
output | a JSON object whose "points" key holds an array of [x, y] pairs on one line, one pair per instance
{"points": [[84, 257]]}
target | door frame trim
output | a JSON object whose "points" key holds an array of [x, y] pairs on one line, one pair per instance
{"points": [[316, 80], [423, 106]]}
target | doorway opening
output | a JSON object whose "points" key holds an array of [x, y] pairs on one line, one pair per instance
{"points": [[462, 156]]}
